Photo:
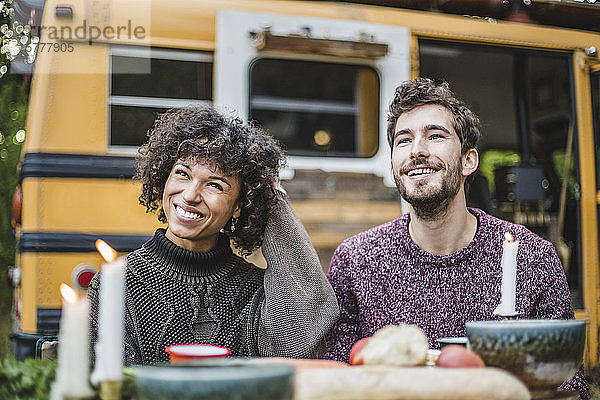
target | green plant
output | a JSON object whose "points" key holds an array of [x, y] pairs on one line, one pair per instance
{"points": [[13, 106], [492, 159], [32, 379], [16, 39], [16, 43]]}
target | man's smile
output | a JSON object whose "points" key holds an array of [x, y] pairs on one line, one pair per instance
{"points": [[421, 171], [418, 170]]}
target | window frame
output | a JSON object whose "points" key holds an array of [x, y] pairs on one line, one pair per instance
{"points": [[149, 53], [235, 51]]}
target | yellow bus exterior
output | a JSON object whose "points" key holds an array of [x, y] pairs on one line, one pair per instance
{"points": [[67, 141]]}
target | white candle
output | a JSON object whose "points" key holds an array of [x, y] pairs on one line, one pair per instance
{"points": [[73, 341], [509, 276], [109, 345]]}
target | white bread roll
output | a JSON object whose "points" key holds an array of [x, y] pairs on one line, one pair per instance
{"points": [[414, 383], [402, 345]]}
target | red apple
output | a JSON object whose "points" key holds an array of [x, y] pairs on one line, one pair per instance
{"points": [[457, 356], [355, 358]]}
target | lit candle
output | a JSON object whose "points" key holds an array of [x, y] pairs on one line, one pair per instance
{"points": [[109, 345], [509, 277], [73, 357]]}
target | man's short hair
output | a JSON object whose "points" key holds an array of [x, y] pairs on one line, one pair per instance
{"points": [[422, 91]]}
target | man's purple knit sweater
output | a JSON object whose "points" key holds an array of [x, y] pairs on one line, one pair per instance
{"points": [[382, 277]]}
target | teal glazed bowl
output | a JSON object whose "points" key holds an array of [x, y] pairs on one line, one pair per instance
{"points": [[541, 353], [214, 382]]}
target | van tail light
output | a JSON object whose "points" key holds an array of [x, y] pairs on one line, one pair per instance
{"points": [[82, 275], [17, 205]]}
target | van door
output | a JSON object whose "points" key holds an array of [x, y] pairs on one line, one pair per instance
{"points": [[591, 278], [595, 89], [528, 170]]}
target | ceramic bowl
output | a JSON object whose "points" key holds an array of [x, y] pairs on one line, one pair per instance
{"points": [[542, 353], [192, 353], [214, 381]]}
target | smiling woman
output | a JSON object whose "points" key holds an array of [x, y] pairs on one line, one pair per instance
{"points": [[226, 149], [212, 178], [198, 201]]}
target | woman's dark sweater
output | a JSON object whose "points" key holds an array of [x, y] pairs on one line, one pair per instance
{"points": [[174, 295]]}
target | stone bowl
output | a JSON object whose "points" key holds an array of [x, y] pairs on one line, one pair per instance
{"points": [[214, 381], [541, 353]]}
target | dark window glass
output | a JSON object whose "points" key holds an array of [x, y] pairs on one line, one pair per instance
{"points": [[332, 134], [596, 114], [129, 125], [304, 80], [524, 100], [167, 78], [317, 108]]}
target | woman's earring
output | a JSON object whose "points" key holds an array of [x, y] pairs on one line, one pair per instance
{"points": [[233, 221]]}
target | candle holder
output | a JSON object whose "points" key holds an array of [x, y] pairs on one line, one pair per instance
{"points": [[510, 317], [111, 390]]}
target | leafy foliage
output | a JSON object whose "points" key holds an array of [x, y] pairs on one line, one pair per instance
{"points": [[16, 39], [32, 379], [15, 44], [13, 110]]}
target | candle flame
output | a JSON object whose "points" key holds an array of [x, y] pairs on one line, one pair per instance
{"points": [[508, 237], [107, 252], [68, 293]]}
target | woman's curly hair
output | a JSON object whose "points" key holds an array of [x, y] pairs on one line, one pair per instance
{"points": [[203, 135]]}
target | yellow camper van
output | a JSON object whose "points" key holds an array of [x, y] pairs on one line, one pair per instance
{"points": [[319, 76]]}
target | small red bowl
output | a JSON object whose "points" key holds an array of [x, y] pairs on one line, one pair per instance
{"points": [[190, 353]]}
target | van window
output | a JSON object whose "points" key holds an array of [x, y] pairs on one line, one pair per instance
{"points": [[317, 108], [145, 84]]}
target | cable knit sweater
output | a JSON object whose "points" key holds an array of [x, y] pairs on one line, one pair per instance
{"points": [[174, 295], [382, 277]]}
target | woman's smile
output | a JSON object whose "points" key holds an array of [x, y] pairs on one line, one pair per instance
{"points": [[187, 215]]}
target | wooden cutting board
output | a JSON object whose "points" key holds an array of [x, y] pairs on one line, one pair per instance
{"points": [[414, 383]]}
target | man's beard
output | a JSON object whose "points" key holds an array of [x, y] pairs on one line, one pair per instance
{"points": [[431, 203]]}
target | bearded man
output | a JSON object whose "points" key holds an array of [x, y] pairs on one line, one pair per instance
{"points": [[439, 265]]}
